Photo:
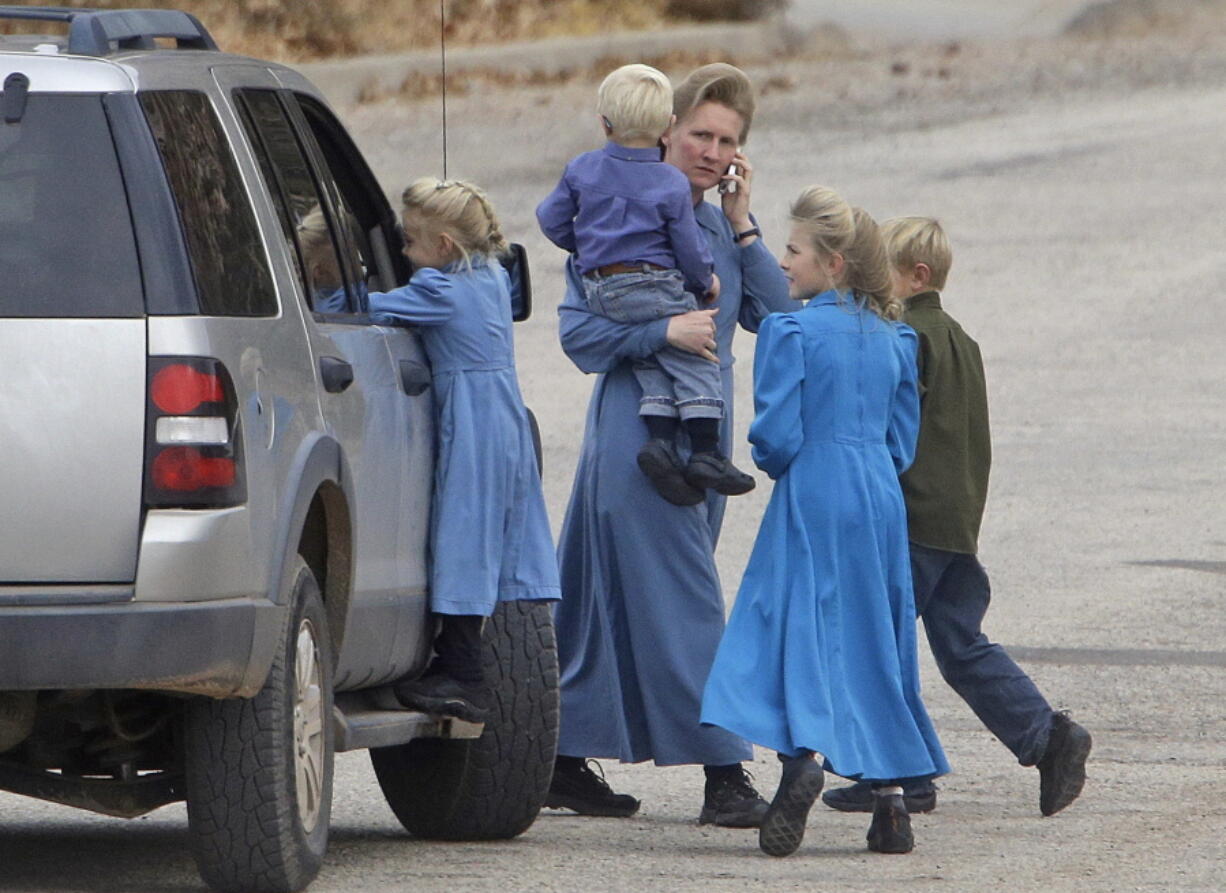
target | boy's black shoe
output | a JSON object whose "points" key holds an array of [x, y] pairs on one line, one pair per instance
{"points": [[438, 694], [917, 797], [576, 787], [711, 471], [731, 801], [658, 460], [890, 831], [1062, 770], [783, 828]]}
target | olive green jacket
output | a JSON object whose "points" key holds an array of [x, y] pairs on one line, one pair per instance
{"points": [[947, 485]]}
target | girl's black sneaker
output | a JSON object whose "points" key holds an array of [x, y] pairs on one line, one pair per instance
{"points": [[441, 695], [890, 831], [784, 826]]}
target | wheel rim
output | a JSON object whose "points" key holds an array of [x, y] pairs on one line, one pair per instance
{"points": [[308, 725]]}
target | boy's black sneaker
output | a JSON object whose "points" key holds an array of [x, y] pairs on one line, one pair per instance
{"points": [[890, 831], [438, 694], [731, 801], [1062, 770], [711, 471], [577, 787], [858, 797], [783, 827], [658, 460]]}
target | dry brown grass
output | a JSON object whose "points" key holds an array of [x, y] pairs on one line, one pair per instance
{"points": [[421, 86], [302, 30]]}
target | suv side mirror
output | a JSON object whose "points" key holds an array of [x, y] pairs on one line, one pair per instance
{"points": [[516, 263]]}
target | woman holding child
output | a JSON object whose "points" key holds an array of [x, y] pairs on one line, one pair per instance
{"points": [[642, 610]]}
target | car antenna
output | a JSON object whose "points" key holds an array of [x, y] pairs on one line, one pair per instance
{"points": [[442, 34]]}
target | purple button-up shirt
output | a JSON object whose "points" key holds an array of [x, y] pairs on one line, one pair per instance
{"points": [[622, 206]]}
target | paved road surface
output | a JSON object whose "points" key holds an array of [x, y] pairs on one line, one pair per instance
{"points": [[1090, 255], [940, 18]]}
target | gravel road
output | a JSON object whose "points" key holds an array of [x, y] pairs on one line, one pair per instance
{"points": [[1081, 184]]}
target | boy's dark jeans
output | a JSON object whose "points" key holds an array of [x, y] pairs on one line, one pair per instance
{"points": [[951, 595]]}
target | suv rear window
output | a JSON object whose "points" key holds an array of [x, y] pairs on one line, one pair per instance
{"points": [[66, 243], [223, 239]]}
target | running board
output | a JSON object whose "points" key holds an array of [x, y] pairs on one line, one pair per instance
{"points": [[373, 718]]}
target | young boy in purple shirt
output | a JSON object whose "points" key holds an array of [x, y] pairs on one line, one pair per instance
{"points": [[628, 219]]}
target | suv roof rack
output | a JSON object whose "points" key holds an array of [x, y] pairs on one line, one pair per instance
{"points": [[91, 32]]}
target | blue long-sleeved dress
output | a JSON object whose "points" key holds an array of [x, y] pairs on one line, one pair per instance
{"points": [[820, 648], [489, 533], [642, 610]]}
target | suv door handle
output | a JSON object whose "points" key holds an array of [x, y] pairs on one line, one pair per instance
{"points": [[414, 377], [337, 375]]}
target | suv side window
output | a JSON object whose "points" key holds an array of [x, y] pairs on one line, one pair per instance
{"points": [[305, 217], [369, 224], [223, 238]]}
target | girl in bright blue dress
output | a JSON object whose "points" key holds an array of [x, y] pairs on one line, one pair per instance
{"points": [[819, 653], [489, 534]]}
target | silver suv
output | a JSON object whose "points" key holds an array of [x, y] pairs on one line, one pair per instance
{"points": [[213, 542]]}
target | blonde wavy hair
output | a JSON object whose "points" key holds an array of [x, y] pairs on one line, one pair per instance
{"points": [[462, 211], [836, 227], [918, 240]]}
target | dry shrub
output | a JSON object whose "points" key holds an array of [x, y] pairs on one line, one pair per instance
{"points": [[1114, 19], [302, 30], [723, 10], [429, 86]]}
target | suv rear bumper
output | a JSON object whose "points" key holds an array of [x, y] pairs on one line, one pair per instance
{"points": [[193, 647]]}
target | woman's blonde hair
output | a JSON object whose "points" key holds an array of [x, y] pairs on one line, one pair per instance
{"points": [[918, 240], [718, 82], [460, 210], [636, 102], [837, 228]]}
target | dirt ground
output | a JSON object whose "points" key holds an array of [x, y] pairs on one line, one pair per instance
{"points": [[1080, 179]]}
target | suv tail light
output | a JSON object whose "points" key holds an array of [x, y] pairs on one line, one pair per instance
{"points": [[192, 454]]}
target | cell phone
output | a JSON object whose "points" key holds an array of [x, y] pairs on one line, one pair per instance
{"points": [[729, 186]]}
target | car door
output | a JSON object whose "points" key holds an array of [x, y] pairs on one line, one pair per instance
{"points": [[373, 232], [362, 395]]}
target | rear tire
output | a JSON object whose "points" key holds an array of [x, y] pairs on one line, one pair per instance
{"points": [[490, 788], [259, 770]]}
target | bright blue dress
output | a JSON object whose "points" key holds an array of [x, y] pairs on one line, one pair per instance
{"points": [[489, 533], [820, 648], [642, 611]]}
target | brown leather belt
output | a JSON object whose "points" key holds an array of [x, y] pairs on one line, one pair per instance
{"points": [[614, 269]]}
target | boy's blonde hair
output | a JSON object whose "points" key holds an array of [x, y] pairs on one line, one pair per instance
{"points": [[835, 227], [636, 101], [918, 240], [460, 210], [721, 83]]}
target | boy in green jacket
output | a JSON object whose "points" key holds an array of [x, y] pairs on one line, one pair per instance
{"points": [[945, 491]]}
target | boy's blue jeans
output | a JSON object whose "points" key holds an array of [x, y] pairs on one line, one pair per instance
{"points": [[951, 595], [675, 382]]}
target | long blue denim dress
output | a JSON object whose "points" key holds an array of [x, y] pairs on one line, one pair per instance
{"points": [[820, 649], [642, 611], [489, 534]]}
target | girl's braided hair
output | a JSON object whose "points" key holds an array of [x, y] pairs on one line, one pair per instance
{"points": [[462, 211], [837, 228]]}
